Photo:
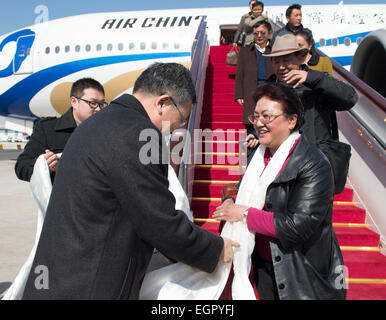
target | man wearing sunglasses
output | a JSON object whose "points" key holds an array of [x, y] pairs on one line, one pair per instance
{"points": [[50, 134], [252, 69]]}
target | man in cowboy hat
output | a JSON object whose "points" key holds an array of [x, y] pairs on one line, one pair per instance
{"points": [[320, 93]]}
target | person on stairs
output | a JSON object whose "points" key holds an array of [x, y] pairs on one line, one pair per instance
{"points": [[321, 94], [252, 69], [286, 199]]}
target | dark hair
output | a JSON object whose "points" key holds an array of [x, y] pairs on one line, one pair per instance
{"points": [[263, 22], [80, 85], [307, 35], [258, 3], [284, 94], [292, 7], [167, 78]]}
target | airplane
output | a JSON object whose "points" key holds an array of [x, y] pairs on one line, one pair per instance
{"points": [[39, 63]]}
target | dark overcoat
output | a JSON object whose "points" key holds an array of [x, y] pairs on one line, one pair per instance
{"points": [[246, 77], [306, 256], [49, 133], [110, 207]]}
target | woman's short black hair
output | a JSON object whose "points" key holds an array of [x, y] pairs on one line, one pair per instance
{"points": [[307, 35], [285, 95]]}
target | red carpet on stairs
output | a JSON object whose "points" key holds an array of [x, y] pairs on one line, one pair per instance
{"points": [[366, 266]]}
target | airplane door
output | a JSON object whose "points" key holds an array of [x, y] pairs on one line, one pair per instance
{"points": [[23, 61]]}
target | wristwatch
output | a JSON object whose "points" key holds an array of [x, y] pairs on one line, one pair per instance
{"points": [[245, 215]]}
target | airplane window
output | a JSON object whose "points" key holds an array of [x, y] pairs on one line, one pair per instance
{"points": [[77, 48], [322, 42], [47, 50], [99, 47], [154, 45], [67, 48], [88, 48], [334, 42], [120, 46], [131, 45], [57, 49], [176, 45], [359, 40], [142, 45], [165, 45], [347, 41], [28, 51], [109, 47]]}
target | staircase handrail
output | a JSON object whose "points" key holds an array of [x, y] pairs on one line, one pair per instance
{"points": [[200, 59]]}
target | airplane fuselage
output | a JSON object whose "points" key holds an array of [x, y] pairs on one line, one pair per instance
{"points": [[39, 63]]}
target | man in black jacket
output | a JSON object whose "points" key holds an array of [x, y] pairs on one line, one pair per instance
{"points": [[320, 93], [50, 134], [294, 17], [110, 205]]}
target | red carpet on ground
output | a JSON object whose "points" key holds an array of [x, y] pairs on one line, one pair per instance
{"points": [[365, 264]]}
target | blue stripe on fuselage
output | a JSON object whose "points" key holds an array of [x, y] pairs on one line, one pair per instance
{"points": [[16, 99], [352, 37], [344, 61]]}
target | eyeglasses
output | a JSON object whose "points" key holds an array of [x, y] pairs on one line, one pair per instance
{"points": [[94, 104], [183, 119], [263, 33], [264, 118]]}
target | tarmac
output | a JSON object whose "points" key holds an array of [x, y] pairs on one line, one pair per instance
{"points": [[18, 217]]}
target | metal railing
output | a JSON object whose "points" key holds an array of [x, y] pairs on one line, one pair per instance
{"points": [[200, 58]]}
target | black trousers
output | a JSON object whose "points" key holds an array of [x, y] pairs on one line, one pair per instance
{"points": [[264, 277]]}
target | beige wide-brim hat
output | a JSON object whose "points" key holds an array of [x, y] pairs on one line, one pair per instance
{"points": [[284, 45]]}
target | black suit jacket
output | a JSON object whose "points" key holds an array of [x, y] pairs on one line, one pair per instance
{"points": [[49, 133], [108, 210]]}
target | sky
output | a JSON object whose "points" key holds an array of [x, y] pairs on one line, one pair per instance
{"points": [[21, 13]]}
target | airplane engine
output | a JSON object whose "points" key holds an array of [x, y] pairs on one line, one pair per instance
{"points": [[369, 62]]}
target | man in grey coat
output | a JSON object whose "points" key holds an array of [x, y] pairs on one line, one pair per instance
{"points": [[110, 205]]}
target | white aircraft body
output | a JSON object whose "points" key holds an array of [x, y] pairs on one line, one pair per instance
{"points": [[39, 63]]}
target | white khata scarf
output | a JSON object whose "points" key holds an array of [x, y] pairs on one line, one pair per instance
{"points": [[181, 282], [252, 193]]}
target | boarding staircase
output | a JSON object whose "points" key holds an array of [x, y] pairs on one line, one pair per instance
{"points": [[361, 249]]}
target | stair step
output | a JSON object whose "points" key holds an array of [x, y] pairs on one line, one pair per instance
{"points": [[219, 146], [366, 291], [346, 195], [356, 236], [221, 100], [206, 117], [204, 203], [353, 214], [224, 125], [228, 108], [212, 227], [365, 264], [212, 189], [219, 172], [218, 158]]}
